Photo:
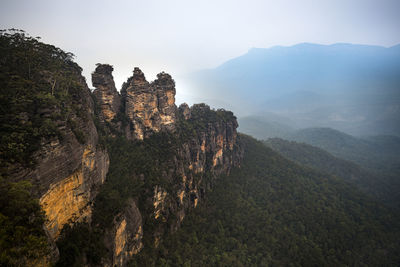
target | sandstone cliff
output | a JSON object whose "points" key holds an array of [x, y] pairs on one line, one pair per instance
{"points": [[68, 170], [50, 121], [150, 107], [192, 146], [202, 144], [105, 93], [125, 237]]}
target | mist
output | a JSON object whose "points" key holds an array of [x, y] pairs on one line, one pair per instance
{"points": [[181, 37]]}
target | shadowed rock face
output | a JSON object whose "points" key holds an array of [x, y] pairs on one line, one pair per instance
{"points": [[69, 173], [150, 107], [106, 94], [70, 170], [212, 149], [125, 237], [68, 200], [185, 111]]}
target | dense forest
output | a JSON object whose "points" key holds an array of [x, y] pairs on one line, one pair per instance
{"points": [[272, 212], [319, 159], [35, 78], [136, 167], [377, 153]]}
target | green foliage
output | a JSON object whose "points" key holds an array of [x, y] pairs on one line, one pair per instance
{"points": [[128, 162], [40, 87], [200, 118], [41, 90], [79, 243], [322, 161], [80, 136], [272, 212], [201, 115], [379, 155], [373, 153], [22, 239], [135, 168]]}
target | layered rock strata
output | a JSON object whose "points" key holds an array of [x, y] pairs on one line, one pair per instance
{"points": [[70, 168], [150, 107], [209, 149]]}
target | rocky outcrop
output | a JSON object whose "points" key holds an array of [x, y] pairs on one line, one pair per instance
{"points": [[211, 149], [185, 111], [215, 148], [70, 198], [106, 94], [147, 108], [208, 148], [51, 139], [150, 107], [125, 238], [70, 168]]}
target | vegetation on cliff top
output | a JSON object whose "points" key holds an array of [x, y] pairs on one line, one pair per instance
{"points": [[39, 86], [274, 212], [40, 90], [136, 167], [269, 212]]}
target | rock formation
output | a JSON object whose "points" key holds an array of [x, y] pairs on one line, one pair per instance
{"points": [[208, 147], [211, 150], [150, 107], [106, 94], [125, 238], [70, 170]]}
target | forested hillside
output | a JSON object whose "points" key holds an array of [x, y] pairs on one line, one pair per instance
{"points": [[43, 98], [321, 160], [108, 178], [274, 212]]}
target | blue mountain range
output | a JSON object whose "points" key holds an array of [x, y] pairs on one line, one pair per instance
{"points": [[349, 87]]}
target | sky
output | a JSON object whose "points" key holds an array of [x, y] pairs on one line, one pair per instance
{"points": [[182, 36]]}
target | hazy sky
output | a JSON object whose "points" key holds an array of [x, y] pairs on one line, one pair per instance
{"points": [[183, 36]]}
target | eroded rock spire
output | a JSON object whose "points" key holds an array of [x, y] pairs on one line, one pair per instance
{"points": [[149, 106], [106, 94]]}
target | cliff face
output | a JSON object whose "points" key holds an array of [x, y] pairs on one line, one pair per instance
{"points": [[69, 168], [124, 240], [172, 185], [69, 198], [150, 107], [204, 144], [209, 151]]}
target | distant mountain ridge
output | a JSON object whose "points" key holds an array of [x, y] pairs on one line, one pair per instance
{"points": [[376, 155], [372, 152], [353, 88], [102, 178]]}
